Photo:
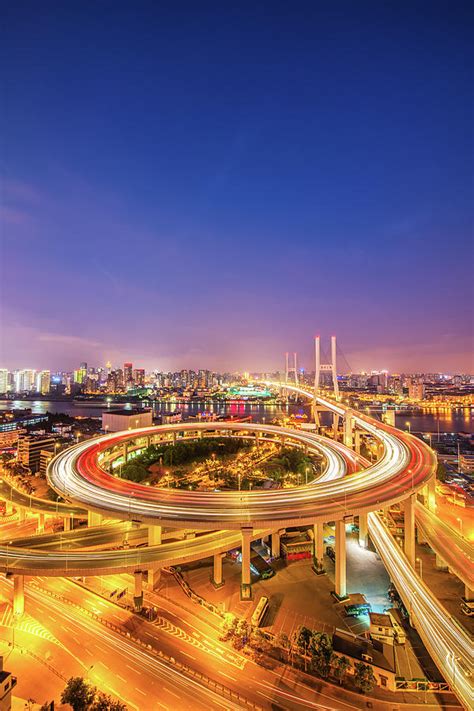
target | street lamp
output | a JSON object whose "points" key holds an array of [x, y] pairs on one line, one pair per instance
{"points": [[420, 562], [408, 424], [459, 520]]}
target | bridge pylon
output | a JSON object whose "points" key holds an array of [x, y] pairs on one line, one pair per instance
{"points": [[324, 368], [291, 369]]}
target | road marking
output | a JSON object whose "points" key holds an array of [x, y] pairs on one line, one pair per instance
{"points": [[189, 655], [52, 618], [139, 690], [168, 691], [133, 669], [121, 678], [228, 676]]}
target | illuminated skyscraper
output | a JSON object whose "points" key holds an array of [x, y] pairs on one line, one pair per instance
{"points": [[43, 382], [3, 380], [128, 374], [24, 380]]}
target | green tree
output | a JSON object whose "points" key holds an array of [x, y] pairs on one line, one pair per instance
{"points": [[78, 693], [341, 668], [241, 635], [102, 702], [364, 678], [320, 648], [302, 638]]}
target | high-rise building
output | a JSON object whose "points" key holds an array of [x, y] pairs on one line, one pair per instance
{"points": [[416, 389], [139, 377], [24, 380], [128, 374], [43, 382], [3, 380]]}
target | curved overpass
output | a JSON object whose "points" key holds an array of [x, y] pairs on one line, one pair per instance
{"points": [[405, 466]]}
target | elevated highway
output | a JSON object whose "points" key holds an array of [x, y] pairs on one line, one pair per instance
{"points": [[405, 466], [447, 544]]}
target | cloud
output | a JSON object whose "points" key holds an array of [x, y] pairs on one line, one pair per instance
{"points": [[67, 340]]}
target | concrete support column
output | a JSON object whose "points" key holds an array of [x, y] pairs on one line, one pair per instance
{"points": [[431, 494], [154, 535], [94, 519], [409, 524], [138, 590], [341, 590], [18, 594], [468, 593], [8, 508], [276, 544], [420, 536], [348, 430], [318, 548], [245, 586], [67, 521], [363, 531], [389, 417], [40, 526], [217, 579], [440, 563], [380, 449], [358, 437], [21, 514], [154, 576], [335, 425]]}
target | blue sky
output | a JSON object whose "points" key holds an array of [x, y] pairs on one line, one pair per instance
{"points": [[203, 186]]}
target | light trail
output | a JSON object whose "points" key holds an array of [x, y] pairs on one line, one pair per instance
{"points": [[447, 642]]}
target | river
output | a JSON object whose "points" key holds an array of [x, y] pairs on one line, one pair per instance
{"points": [[460, 420]]}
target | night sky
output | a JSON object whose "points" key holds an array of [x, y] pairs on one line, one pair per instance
{"points": [[207, 185]]}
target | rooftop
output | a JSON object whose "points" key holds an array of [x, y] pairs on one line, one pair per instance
{"points": [[382, 655], [380, 620]]}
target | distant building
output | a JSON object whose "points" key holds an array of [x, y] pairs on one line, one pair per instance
{"points": [[30, 448], [24, 381], [128, 374], [119, 420], [139, 377], [7, 683], [43, 382], [3, 380], [416, 389]]}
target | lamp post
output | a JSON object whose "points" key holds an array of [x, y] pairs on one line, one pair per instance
{"points": [[408, 424], [420, 562], [459, 520]]}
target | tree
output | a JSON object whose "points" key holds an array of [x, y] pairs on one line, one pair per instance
{"points": [[241, 635], [364, 678], [302, 638], [78, 694], [341, 668], [103, 702], [320, 648]]}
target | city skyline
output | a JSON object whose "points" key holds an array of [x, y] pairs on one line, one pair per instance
{"points": [[181, 196]]}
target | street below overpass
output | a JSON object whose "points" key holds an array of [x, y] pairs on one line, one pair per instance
{"points": [[77, 643]]}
